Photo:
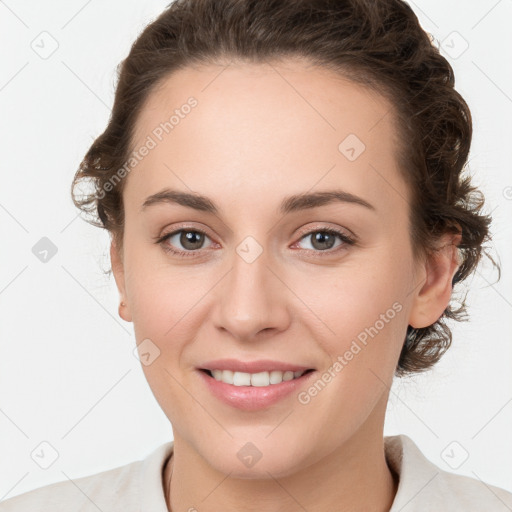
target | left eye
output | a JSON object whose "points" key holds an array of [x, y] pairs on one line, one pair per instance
{"points": [[324, 239]]}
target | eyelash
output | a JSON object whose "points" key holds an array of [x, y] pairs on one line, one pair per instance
{"points": [[187, 254]]}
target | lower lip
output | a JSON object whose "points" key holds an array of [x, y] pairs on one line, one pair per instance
{"points": [[253, 398]]}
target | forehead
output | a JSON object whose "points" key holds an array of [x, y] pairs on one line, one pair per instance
{"points": [[261, 128]]}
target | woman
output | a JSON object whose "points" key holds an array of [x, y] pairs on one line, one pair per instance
{"points": [[283, 186]]}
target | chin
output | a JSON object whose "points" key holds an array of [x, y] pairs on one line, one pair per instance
{"points": [[252, 461]]}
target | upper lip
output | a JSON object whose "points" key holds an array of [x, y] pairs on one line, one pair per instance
{"points": [[261, 365]]}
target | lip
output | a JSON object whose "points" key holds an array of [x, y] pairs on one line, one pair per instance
{"points": [[253, 398], [261, 365]]}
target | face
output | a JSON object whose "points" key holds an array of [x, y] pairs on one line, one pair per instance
{"points": [[328, 285]]}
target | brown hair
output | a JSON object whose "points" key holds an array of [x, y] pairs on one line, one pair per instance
{"points": [[376, 43]]}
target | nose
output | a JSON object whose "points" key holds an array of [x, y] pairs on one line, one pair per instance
{"points": [[252, 299]]}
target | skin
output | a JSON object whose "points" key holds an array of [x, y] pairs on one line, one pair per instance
{"points": [[259, 133]]}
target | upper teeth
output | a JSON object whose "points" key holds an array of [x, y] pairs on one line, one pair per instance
{"points": [[255, 379]]}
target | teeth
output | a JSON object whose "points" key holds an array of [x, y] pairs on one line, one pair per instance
{"points": [[254, 379]]}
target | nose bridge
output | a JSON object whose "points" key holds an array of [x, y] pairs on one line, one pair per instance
{"points": [[252, 297]]}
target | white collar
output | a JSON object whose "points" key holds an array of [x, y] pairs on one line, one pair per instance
{"points": [[422, 486]]}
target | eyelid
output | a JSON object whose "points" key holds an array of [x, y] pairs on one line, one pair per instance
{"points": [[322, 226], [186, 226]]}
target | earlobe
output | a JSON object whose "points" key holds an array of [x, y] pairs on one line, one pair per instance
{"points": [[435, 290], [119, 276], [124, 312]]}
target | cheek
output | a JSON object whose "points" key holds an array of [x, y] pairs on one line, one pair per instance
{"points": [[169, 306], [358, 313], [159, 294], [355, 293]]}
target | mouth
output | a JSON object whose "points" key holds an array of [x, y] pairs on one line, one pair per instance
{"points": [[251, 392]]}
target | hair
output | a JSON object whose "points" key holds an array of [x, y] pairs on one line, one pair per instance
{"points": [[378, 44]]}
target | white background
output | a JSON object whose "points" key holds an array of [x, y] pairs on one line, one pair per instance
{"points": [[68, 375]]}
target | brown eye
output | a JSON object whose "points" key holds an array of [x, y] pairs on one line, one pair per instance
{"points": [[322, 240], [191, 240]]}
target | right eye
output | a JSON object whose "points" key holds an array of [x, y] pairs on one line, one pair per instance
{"points": [[190, 239]]}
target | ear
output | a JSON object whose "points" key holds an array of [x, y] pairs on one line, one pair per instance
{"points": [[116, 261], [434, 282]]}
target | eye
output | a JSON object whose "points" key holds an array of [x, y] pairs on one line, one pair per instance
{"points": [[323, 240], [187, 241]]}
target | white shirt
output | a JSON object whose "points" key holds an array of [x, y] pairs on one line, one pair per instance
{"points": [[138, 487]]}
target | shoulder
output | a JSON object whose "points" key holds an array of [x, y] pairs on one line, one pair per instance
{"points": [[124, 487], [91, 492], [426, 487]]}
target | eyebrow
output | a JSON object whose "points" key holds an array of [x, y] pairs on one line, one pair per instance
{"points": [[288, 205]]}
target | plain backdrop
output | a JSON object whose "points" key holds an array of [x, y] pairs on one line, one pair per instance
{"points": [[68, 376]]}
